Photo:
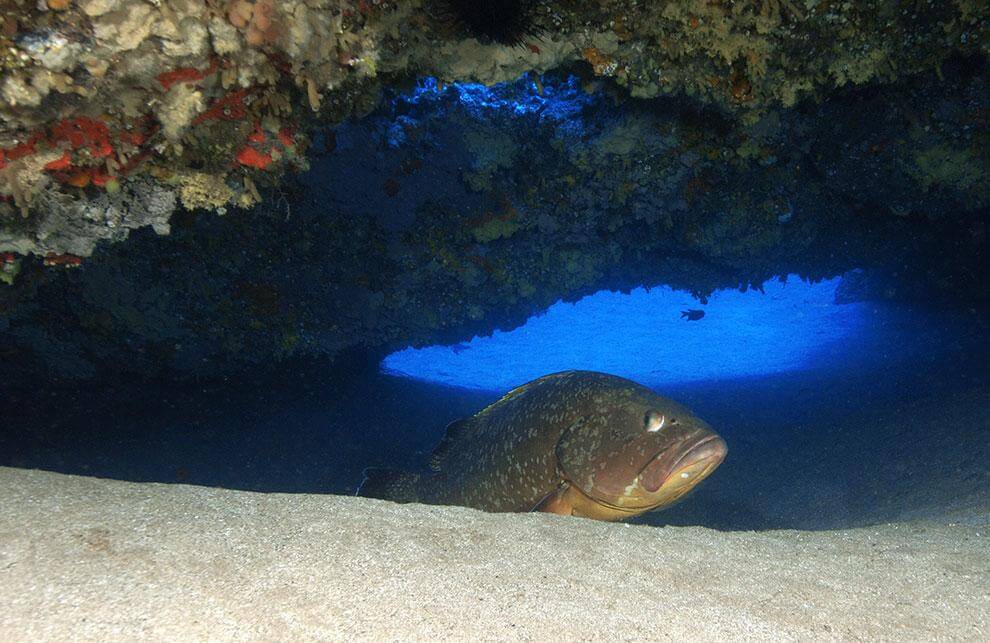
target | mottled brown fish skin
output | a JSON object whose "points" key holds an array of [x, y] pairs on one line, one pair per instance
{"points": [[506, 461], [510, 455]]}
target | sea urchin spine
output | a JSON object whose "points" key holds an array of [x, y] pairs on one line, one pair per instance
{"points": [[509, 22]]}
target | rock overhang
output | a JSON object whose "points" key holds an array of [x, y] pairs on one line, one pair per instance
{"points": [[455, 208]]}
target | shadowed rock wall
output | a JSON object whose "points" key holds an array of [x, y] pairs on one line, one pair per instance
{"points": [[765, 138], [449, 212]]}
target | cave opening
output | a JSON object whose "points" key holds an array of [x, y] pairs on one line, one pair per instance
{"points": [[665, 337], [840, 409], [513, 319], [460, 239]]}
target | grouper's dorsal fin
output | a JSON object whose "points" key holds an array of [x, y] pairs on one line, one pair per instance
{"points": [[513, 393], [522, 388], [455, 430]]}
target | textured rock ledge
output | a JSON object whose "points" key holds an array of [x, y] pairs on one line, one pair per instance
{"points": [[209, 99], [691, 143], [97, 559], [450, 212]]}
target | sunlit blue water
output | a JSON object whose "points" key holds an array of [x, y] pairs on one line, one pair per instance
{"points": [[641, 335]]}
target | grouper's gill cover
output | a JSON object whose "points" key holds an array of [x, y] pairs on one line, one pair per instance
{"points": [[577, 442]]}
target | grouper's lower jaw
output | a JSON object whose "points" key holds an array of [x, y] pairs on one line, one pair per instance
{"points": [[569, 500], [675, 462], [696, 465], [688, 469]]}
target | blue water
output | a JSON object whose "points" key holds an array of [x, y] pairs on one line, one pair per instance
{"points": [[790, 326], [835, 415]]}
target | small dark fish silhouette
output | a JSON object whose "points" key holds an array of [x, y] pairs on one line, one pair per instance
{"points": [[692, 314]]}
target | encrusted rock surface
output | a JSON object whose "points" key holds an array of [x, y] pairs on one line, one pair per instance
{"points": [[700, 144], [99, 91]]}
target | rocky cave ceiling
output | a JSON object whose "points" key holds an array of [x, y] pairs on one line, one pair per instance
{"points": [[305, 178]]}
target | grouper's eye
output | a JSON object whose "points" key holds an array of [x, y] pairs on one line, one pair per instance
{"points": [[654, 421]]}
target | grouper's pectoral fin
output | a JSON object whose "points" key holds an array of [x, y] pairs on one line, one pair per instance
{"points": [[558, 501], [455, 433], [388, 484]]}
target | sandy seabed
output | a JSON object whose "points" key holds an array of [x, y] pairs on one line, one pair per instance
{"points": [[86, 558]]}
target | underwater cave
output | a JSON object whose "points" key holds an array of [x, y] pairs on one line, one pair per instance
{"points": [[512, 321]]}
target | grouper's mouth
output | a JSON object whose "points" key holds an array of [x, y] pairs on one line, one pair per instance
{"points": [[679, 471], [666, 478]]}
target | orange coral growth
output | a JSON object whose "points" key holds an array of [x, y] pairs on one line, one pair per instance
{"points": [[84, 132], [62, 163], [99, 136], [600, 62], [79, 133], [186, 74], [285, 137], [251, 157], [78, 179], [259, 153], [258, 135], [64, 260], [23, 149], [84, 177], [136, 138], [98, 177], [229, 108], [19, 151]]}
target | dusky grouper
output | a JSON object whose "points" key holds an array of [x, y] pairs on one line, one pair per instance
{"points": [[578, 443]]}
